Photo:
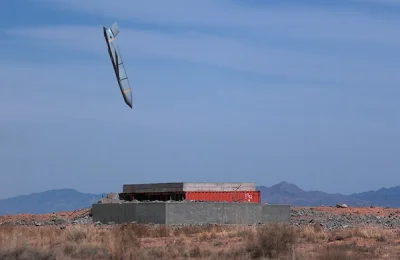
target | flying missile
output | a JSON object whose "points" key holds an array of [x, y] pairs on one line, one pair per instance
{"points": [[110, 35]]}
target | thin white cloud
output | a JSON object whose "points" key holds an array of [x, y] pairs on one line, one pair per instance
{"points": [[329, 46], [30, 89], [365, 70], [307, 23], [341, 68], [171, 99], [88, 91]]}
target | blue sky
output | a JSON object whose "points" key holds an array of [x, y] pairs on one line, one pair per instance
{"points": [[263, 91]]}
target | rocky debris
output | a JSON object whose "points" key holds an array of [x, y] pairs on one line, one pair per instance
{"points": [[54, 219], [330, 218], [59, 221], [330, 221], [111, 198], [86, 220]]}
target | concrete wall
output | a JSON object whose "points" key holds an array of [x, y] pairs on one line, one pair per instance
{"points": [[213, 212], [151, 213], [175, 213], [128, 212], [275, 213]]}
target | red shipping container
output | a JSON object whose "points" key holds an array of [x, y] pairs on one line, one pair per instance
{"points": [[230, 196]]}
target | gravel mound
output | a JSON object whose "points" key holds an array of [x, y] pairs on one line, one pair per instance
{"points": [[301, 217]]}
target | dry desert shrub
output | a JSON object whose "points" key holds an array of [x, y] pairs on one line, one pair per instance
{"points": [[193, 230], [76, 235], [137, 241], [350, 251], [368, 232], [374, 232], [142, 230], [272, 241], [12, 237], [26, 253], [312, 233], [334, 253], [75, 251]]}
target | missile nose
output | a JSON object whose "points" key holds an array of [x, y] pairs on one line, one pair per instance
{"points": [[128, 100]]}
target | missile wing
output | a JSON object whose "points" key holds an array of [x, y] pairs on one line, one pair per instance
{"points": [[110, 35]]}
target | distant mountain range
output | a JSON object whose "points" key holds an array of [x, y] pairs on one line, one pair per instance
{"points": [[48, 202], [281, 193], [287, 193]]}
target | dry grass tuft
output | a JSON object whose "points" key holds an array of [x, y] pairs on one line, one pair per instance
{"points": [[27, 253], [349, 251], [272, 241], [136, 241], [367, 232], [313, 233]]}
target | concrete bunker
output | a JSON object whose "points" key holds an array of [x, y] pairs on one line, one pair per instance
{"points": [[190, 203]]}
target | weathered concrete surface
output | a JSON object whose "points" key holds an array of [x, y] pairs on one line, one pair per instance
{"points": [[150, 212], [176, 213], [213, 212], [189, 186], [275, 213]]}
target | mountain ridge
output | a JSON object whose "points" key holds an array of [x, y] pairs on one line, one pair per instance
{"points": [[49, 201], [68, 199], [288, 193]]}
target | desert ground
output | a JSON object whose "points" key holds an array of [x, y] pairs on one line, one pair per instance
{"points": [[314, 233]]}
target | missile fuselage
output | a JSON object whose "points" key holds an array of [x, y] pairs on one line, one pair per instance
{"points": [[117, 63]]}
